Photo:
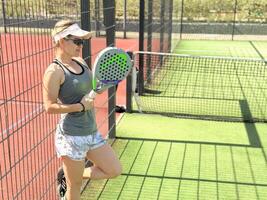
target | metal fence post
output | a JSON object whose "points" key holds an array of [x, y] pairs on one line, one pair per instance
{"points": [[181, 20], [109, 22], [149, 38], [124, 18], [234, 21], [170, 26], [4, 15], [162, 25], [97, 9], [141, 46], [85, 24]]}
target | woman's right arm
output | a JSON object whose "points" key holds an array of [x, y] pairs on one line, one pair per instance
{"points": [[52, 80]]}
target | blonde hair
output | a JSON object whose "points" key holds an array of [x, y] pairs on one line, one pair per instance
{"points": [[61, 26]]}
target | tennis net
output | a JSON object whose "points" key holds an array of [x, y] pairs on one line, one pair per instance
{"points": [[202, 87]]}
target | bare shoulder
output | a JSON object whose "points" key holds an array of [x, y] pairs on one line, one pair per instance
{"points": [[55, 72], [53, 68]]}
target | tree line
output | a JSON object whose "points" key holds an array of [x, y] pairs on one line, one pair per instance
{"points": [[192, 10]]}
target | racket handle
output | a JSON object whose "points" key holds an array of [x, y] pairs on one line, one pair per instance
{"points": [[92, 94]]}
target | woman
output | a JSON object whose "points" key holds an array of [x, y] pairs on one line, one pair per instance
{"points": [[66, 83]]}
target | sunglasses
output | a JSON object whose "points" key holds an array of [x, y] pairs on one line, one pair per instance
{"points": [[76, 41]]}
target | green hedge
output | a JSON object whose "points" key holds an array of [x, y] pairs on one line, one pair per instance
{"points": [[194, 10]]}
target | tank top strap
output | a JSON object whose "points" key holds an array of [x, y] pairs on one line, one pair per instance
{"points": [[56, 61], [67, 71], [85, 67]]}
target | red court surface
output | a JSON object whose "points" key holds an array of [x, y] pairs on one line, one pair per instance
{"points": [[23, 70], [28, 163]]}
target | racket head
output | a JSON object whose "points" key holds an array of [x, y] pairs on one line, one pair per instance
{"points": [[112, 65]]}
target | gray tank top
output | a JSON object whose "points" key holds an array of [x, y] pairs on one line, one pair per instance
{"points": [[72, 91]]}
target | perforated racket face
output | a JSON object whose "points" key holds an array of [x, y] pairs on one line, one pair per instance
{"points": [[112, 65]]}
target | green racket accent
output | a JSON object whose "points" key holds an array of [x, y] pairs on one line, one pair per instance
{"points": [[94, 83], [120, 59]]}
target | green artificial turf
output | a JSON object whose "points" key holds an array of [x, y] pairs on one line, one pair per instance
{"points": [[222, 48], [195, 160], [168, 128]]}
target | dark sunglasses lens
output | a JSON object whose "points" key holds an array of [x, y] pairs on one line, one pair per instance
{"points": [[78, 42]]}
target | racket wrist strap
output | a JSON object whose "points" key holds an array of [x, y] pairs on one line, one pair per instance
{"points": [[83, 107]]}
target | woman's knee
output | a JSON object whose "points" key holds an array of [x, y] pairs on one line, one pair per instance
{"points": [[115, 171]]}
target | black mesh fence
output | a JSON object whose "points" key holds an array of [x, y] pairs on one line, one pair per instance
{"points": [[28, 162], [157, 27], [184, 19], [204, 19], [230, 20]]}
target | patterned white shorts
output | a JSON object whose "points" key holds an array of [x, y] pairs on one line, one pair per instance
{"points": [[76, 147]]}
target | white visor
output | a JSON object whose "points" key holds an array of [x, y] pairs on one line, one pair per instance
{"points": [[74, 30]]}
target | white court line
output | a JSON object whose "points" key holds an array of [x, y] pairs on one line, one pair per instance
{"points": [[199, 50], [19, 122]]}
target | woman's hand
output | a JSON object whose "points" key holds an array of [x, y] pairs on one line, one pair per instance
{"points": [[87, 102]]}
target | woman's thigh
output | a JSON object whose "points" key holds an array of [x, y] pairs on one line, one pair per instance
{"points": [[73, 170]]}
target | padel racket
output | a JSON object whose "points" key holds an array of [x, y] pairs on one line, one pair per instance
{"points": [[111, 66]]}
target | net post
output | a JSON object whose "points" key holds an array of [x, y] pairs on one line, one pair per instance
{"points": [[129, 87], [141, 46], [109, 22], [86, 25], [129, 93]]}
